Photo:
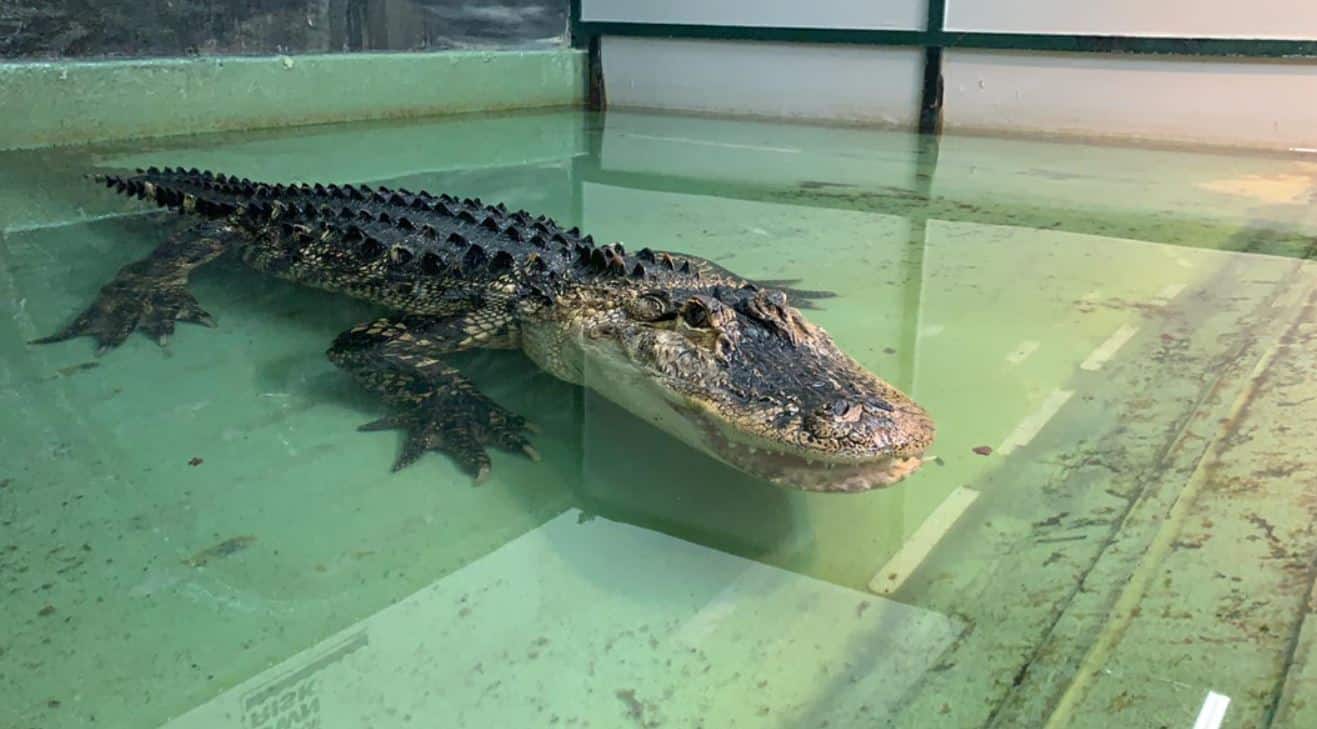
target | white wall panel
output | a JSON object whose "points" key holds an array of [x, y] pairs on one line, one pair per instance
{"points": [[871, 14], [843, 83], [1296, 19], [1254, 104]]}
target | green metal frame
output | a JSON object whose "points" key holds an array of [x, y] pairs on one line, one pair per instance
{"points": [[940, 38]]}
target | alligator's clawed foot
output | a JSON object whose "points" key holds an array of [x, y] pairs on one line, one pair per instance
{"points": [[129, 303], [459, 422]]}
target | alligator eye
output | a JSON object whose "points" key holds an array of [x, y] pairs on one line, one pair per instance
{"points": [[696, 315]]}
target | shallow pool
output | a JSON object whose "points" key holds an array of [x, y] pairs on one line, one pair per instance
{"points": [[1114, 526]]}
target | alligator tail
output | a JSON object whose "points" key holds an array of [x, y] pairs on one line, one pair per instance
{"points": [[187, 191]]}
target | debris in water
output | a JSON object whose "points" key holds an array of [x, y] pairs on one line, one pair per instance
{"points": [[74, 369], [223, 549], [983, 450], [635, 709], [820, 184], [195, 461], [1051, 521]]}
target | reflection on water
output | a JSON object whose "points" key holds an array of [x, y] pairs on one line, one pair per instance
{"points": [[1115, 343]]}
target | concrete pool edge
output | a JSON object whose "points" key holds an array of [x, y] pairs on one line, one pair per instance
{"points": [[65, 103]]}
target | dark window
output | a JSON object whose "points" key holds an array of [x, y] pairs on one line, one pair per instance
{"points": [[146, 28]]}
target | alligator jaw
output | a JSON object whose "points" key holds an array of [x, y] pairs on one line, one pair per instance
{"points": [[772, 460], [793, 468]]}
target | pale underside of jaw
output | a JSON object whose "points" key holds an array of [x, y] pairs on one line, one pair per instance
{"points": [[796, 470]]}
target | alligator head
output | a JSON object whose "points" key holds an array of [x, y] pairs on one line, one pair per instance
{"points": [[738, 373]]}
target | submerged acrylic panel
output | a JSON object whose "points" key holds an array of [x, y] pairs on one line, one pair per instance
{"points": [[1114, 342]]}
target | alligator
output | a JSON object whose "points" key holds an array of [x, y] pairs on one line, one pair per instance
{"points": [[727, 364]]}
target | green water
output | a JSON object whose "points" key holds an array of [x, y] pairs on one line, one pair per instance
{"points": [[198, 537]]}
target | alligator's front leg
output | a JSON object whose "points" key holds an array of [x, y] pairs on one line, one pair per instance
{"points": [[151, 293], [439, 408]]}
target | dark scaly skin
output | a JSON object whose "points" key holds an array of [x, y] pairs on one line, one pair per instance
{"points": [[724, 363]]}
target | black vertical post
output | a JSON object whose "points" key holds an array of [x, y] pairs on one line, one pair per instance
{"points": [[594, 68], [595, 98], [575, 36], [930, 104]]}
